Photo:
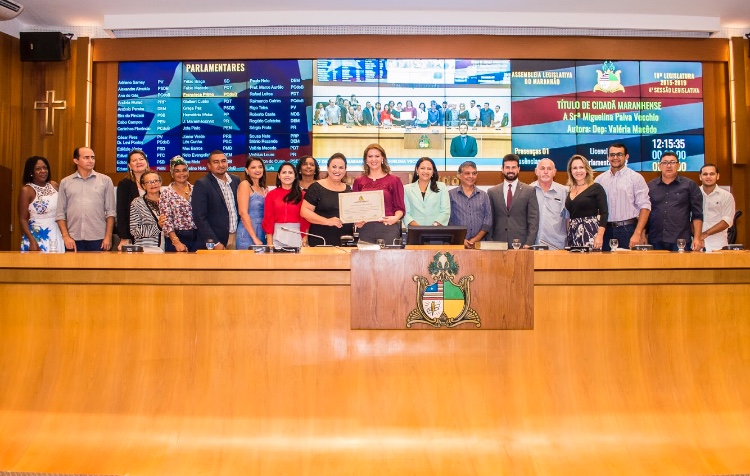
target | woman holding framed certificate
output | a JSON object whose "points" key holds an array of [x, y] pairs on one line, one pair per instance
{"points": [[321, 205], [377, 176]]}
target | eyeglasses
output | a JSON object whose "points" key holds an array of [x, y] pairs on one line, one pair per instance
{"points": [[618, 154], [151, 182], [669, 162]]}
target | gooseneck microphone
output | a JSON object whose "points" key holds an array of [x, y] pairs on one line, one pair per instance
{"points": [[300, 232]]}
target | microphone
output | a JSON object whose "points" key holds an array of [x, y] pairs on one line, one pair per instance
{"points": [[550, 245], [300, 232]]}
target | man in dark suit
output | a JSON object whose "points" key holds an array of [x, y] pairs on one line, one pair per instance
{"points": [[369, 115], [463, 145], [215, 203], [515, 209]]}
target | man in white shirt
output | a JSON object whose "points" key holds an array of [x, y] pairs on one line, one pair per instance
{"points": [[552, 213], [718, 209], [474, 112], [628, 201]]}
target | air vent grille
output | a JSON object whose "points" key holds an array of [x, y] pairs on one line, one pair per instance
{"points": [[10, 5]]}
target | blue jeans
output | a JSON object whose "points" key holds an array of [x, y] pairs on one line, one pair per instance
{"points": [[189, 238], [662, 245], [622, 233]]}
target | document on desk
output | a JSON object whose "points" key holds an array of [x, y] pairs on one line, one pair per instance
{"points": [[361, 206]]}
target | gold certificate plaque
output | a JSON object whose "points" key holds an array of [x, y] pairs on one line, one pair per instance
{"points": [[361, 206]]}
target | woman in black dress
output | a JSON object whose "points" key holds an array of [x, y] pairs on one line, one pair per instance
{"points": [[586, 204], [321, 204]]}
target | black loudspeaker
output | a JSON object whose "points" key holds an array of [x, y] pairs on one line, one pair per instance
{"points": [[44, 46]]}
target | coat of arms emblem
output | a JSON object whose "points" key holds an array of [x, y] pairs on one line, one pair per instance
{"points": [[608, 80], [444, 303]]}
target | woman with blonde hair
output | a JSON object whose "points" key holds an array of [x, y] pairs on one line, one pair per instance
{"points": [[586, 204]]}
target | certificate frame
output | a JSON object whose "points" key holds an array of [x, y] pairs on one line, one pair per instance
{"points": [[357, 207]]}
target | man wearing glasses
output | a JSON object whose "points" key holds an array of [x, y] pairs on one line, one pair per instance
{"points": [[676, 206], [627, 200]]}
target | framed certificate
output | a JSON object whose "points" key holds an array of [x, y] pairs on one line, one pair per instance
{"points": [[361, 206]]}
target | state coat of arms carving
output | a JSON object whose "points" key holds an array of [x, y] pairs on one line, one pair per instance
{"points": [[444, 302]]}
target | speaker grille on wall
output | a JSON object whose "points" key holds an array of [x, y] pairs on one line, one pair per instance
{"points": [[44, 46]]}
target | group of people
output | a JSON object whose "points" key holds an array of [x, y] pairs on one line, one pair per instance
{"points": [[670, 212], [395, 113], [221, 211]]}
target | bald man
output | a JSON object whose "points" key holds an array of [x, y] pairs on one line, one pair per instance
{"points": [[552, 213]]}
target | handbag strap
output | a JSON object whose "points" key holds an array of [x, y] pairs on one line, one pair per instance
{"points": [[156, 219]]}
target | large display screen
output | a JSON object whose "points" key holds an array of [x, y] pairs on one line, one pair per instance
{"points": [[191, 108], [451, 110], [561, 108], [413, 108]]}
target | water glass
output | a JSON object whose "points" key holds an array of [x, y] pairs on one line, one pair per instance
{"points": [[613, 244], [210, 244], [681, 242], [53, 246], [516, 244]]}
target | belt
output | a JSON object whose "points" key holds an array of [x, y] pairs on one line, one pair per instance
{"points": [[617, 224]]}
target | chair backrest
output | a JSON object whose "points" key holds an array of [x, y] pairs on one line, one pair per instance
{"points": [[732, 230]]}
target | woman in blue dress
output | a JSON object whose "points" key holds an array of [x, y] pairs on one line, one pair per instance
{"points": [[251, 195]]}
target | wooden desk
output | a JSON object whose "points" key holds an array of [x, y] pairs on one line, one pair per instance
{"points": [[237, 363]]}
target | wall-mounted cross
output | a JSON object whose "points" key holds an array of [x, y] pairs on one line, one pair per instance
{"points": [[49, 106]]}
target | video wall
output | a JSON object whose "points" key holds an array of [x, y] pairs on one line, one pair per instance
{"points": [[451, 110], [243, 108], [561, 108]]}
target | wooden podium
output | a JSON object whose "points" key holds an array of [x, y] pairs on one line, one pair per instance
{"points": [[442, 288]]}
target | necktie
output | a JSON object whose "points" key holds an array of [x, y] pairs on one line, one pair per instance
{"points": [[509, 200]]}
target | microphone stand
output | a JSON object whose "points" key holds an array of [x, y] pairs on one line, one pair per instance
{"points": [[299, 232]]}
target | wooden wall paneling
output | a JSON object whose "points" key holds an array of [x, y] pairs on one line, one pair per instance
{"points": [[104, 102], [738, 87], [10, 128], [82, 90], [741, 96], [716, 117], [405, 46], [10, 101]]}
